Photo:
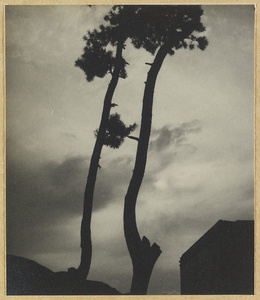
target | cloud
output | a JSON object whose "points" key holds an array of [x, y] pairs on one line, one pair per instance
{"points": [[175, 136], [38, 198], [41, 196]]}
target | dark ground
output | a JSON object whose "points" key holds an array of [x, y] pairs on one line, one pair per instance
{"points": [[26, 277]]}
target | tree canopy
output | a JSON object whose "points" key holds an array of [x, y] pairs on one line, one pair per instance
{"points": [[116, 131], [148, 27], [178, 26]]}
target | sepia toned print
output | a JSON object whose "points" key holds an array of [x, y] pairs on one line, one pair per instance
{"points": [[128, 138]]}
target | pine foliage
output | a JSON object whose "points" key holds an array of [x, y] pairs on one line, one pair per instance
{"points": [[116, 131]]}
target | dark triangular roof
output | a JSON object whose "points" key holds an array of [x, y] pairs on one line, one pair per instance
{"points": [[216, 232]]}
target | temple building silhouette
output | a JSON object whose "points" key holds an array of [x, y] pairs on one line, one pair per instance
{"points": [[221, 261]]}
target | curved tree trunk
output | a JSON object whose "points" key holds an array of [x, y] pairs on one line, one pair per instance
{"points": [[142, 254], [86, 244]]}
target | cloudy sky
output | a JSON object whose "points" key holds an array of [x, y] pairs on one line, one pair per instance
{"points": [[201, 159]]}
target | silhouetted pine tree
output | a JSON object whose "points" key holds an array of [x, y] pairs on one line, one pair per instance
{"points": [[97, 61], [166, 28]]}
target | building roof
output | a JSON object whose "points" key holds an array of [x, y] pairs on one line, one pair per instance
{"points": [[216, 232]]}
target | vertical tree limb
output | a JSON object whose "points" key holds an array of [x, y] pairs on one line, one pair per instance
{"points": [[86, 243]]}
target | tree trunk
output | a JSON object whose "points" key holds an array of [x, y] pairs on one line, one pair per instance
{"points": [[86, 244], [142, 254], [143, 264]]}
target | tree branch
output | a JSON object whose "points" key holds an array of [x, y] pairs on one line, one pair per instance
{"points": [[133, 138]]}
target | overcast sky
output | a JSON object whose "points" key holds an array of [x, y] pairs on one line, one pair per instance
{"points": [[201, 159]]}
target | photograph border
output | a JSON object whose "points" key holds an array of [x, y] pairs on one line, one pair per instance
{"points": [[3, 146]]}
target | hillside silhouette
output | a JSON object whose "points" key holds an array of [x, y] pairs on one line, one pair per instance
{"points": [[26, 277]]}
